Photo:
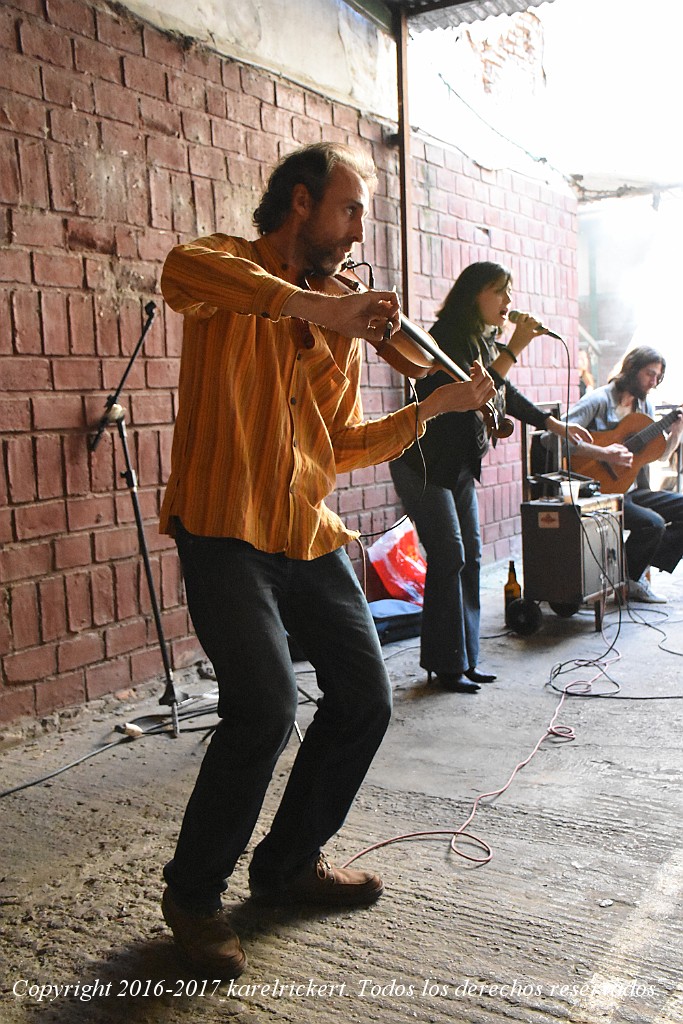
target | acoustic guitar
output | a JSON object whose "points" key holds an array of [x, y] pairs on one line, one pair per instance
{"points": [[641, 435]]}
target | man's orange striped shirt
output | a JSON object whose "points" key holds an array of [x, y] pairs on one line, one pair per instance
{"points": [[269, 408]]}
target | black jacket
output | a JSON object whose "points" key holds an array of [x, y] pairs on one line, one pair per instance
{"points": [[459, 439]]}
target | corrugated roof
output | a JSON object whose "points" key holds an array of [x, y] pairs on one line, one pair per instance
{"points": [[430, 14]]}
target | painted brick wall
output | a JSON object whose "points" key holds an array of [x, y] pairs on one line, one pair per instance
{"points": [[115, 142]]}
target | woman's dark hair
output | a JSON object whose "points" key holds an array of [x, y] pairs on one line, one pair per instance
{"points": [[635, 361], [460, 311], [310, 166]]}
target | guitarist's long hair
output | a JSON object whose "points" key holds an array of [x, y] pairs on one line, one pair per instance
{"points": [[631, 365]]}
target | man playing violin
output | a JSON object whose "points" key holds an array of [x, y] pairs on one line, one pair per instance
{"points": [[269, 412]]}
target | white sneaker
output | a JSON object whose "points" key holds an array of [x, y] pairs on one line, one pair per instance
{"points": [[641, 591]]}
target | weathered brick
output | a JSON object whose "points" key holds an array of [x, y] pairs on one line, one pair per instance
{"points": [[73, 550], [145, 665], [125, 637], [162, 373], [73, 15], [143, 76], [52, 598], [15, 414], [15, 266], [152, 408], [66, 691], [24, 616], [227, 135], [78, 601], [159, 116], [74, 128], [57, 412], [84, 649], [21, 75], [155, 245], [147, 457], [42, 520], [185, 652], [171, 153], [116, 543], [124, 33], [25, 561], [93, 511], [162, 47], [108, 677], [182, 206], [90, 235], [26, 322], [9, 171], [243, 109], [60, 171], [32, 665], [25, 111], [68, 89], [49, 466], [113, 370], [187, 90], [102, 582], [93, 57], [196, 127], [207, 162], [21, 469], [304, 132], [115, 102], [61, 271], [28, 225], [17, 703], [200, 61], [81, 324], [318, 108], [76, 374], [263, 148], [45, 42]]}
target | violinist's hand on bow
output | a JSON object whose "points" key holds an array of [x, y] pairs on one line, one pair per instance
{"points": [[459, 397], [372, 315]]}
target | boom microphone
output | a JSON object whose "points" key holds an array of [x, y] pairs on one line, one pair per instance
{"points": [[514, 315]]}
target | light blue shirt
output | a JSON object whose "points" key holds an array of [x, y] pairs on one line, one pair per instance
{"points": [[597, 410]]}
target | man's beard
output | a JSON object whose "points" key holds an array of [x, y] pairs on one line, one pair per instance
{"points": [[635, 389], [323, 261]]}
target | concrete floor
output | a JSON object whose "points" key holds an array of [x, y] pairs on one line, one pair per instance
{"points": [[576, 917]]}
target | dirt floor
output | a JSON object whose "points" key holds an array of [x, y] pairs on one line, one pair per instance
{"points": [[576, 917]]}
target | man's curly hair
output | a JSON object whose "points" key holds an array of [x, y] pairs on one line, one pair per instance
{"points": [[310, 166]]}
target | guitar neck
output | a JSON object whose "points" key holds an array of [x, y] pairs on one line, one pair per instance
{"points": [[641, 440]]}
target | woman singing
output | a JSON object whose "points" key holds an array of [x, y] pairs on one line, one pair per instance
{"points": [[435, 478]]}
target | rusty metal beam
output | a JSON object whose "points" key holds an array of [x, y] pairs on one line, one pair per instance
{"points": [[400, 22]]}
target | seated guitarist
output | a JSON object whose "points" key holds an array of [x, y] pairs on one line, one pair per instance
{"points": [[654, 519]]}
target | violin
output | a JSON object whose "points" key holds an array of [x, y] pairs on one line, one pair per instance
{"points": [[413, 352]]}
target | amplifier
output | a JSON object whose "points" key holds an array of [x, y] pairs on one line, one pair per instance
{"points": [[572, 553]]}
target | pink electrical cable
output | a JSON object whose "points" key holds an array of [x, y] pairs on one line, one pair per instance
{"points": [[553, 731]]}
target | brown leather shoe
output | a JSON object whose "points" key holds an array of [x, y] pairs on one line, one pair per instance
{"points": [[208, 942], [323, 884]]}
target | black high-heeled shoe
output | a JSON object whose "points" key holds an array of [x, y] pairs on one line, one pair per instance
{"points": [[480, 677], [453, 682]]}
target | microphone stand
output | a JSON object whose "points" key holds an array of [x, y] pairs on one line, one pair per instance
{"points": [[116, 414]]}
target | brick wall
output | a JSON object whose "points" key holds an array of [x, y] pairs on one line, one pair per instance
{"points": [[115, 142]]}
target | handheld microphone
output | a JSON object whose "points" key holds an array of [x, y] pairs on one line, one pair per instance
{"points": [[514, 315]]}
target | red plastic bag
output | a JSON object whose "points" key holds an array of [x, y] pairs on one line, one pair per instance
{"points": [[399, 563]]}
